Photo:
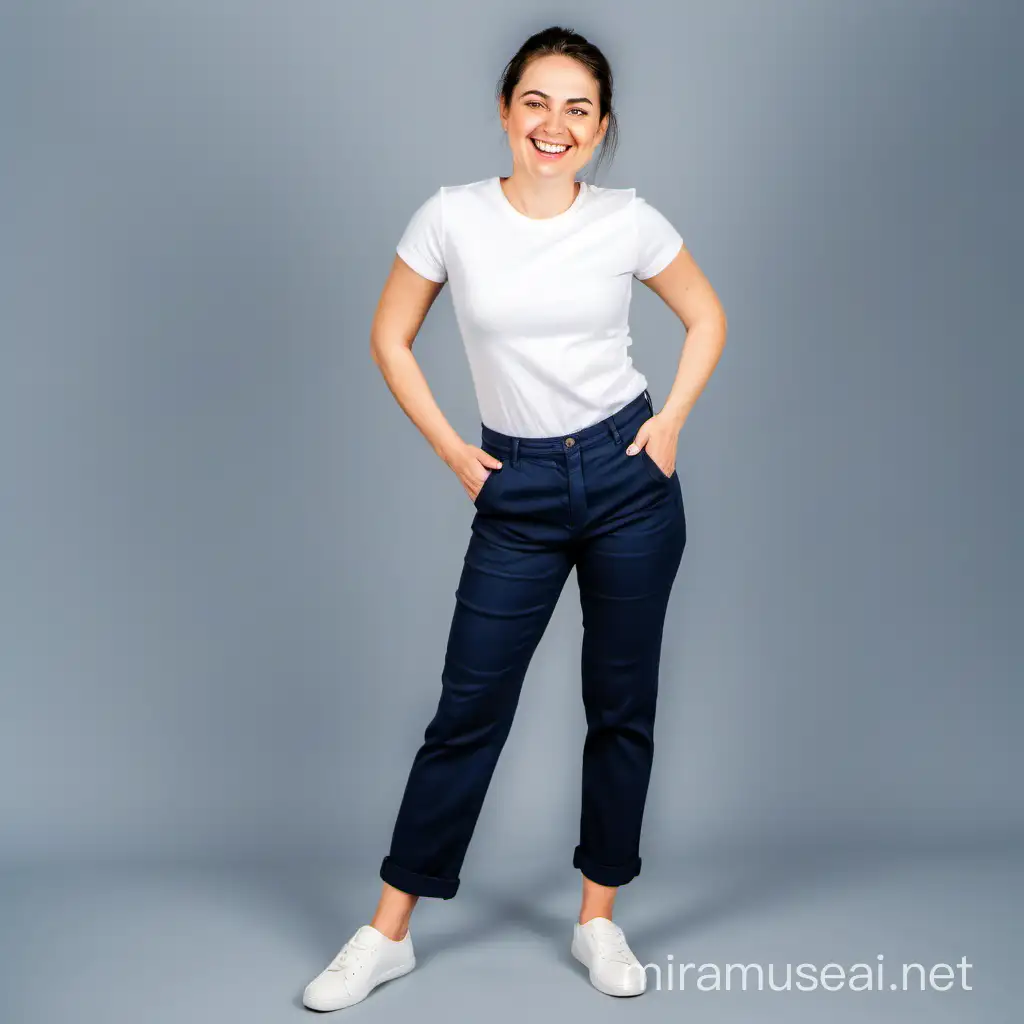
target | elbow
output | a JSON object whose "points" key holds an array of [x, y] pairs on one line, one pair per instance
{"points": [[711, 323], [721, 324], [382, 349], [377, 346]]}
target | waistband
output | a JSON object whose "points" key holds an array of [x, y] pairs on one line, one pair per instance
{"points": [[594, 434]]}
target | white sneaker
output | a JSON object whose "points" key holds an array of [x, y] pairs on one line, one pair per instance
{"points": [[601, 946], [364, 962]]}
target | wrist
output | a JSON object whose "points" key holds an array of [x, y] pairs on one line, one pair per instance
{"points": [[448, 448], [676, 417]]}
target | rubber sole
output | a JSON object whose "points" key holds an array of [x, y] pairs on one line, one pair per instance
{"points": [[395, 972], [574, 949]]}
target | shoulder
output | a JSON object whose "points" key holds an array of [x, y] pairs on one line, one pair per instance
{"points": [[468, 188], [657, 238], [439, 207], [443, 194], [603, 191], [448, 202], [640, 210], [610, 200], [467, 192], [628, 196]]}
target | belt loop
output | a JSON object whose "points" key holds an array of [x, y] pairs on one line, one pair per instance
{"points": [[515, 452], [614, 429], [650, 404]]}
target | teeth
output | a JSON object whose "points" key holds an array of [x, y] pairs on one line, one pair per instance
{"points": [[545, 148]]}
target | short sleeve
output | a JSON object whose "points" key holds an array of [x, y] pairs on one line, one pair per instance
{"points": [[658, 241], [422, 242]]}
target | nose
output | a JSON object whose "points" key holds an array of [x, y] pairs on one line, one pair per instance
{"points": [[553, 125]]}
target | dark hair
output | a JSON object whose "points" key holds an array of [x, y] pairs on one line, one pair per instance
{"points": [[565, 41]]}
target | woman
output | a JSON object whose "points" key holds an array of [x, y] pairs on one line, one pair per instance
{"points": [[574, 468]]}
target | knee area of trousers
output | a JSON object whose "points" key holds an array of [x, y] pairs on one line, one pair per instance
{"points": [[466, 730]]}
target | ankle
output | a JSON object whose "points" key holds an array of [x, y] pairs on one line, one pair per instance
{"points": [[395, 930], [393, 911]]}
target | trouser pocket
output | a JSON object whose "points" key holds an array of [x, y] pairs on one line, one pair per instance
{"points": [[484, 487], [655, 471], [489, 483]]}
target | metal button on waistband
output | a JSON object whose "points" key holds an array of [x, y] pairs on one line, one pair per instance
{"points": [[570, 441]]}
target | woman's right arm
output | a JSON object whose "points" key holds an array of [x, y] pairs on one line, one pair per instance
{"points": [[403, 306]]}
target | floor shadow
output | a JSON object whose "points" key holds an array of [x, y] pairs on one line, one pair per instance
{"points": [[497, 909], [323, 911]]}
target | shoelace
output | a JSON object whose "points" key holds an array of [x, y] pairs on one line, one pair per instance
{"points": [[350, 959], [612, 945]]}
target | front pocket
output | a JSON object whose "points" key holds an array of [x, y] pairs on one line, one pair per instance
{"points": [[653, 468], [483, 487]]}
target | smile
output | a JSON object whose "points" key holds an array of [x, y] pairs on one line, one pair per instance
{"points": [[550, 151]]}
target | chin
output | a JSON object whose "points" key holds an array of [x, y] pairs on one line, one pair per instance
{"points": [[552, 170]]}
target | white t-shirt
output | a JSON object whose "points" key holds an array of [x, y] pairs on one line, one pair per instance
{"points": [[542, 304]]}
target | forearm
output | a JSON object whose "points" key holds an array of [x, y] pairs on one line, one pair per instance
{"points": [[407, 383], [701, 351]]}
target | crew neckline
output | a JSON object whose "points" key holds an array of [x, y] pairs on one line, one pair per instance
{"points": [[557, 218]]}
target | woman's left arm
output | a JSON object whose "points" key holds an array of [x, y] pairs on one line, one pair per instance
{"points": [[683, 287]]}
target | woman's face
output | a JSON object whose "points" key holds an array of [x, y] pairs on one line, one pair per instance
{"points": [[555, 101]]}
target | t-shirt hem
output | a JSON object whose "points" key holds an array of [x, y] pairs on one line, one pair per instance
{"points": [[421, 268], [668, 254]]}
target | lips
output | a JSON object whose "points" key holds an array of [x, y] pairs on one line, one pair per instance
{"points": [[550, 156]]}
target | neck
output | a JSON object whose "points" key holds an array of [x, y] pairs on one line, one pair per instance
{"points": [[540, 198]]}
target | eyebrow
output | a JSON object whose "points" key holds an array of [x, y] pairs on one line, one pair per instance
{"points": [[576, 99]]}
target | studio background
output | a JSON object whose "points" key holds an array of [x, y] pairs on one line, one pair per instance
{"points": [[230, 560]]}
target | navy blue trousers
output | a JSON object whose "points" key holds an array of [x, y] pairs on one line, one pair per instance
{"points": [[557, 502]]}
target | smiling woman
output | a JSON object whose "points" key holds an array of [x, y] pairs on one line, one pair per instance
{"points": [[554, 149], [540, 266], [556, 110]]}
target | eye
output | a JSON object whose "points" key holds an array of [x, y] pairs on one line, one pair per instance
{"points": [[537, 103]]}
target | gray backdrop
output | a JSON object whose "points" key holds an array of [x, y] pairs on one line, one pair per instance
{"points": [[230, 559]]}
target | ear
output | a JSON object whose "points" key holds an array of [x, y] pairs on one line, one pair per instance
{"points": [[602, 129]]}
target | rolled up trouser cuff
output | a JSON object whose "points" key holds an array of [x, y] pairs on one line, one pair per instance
{"points": [[606, 874], [415, 883]]}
